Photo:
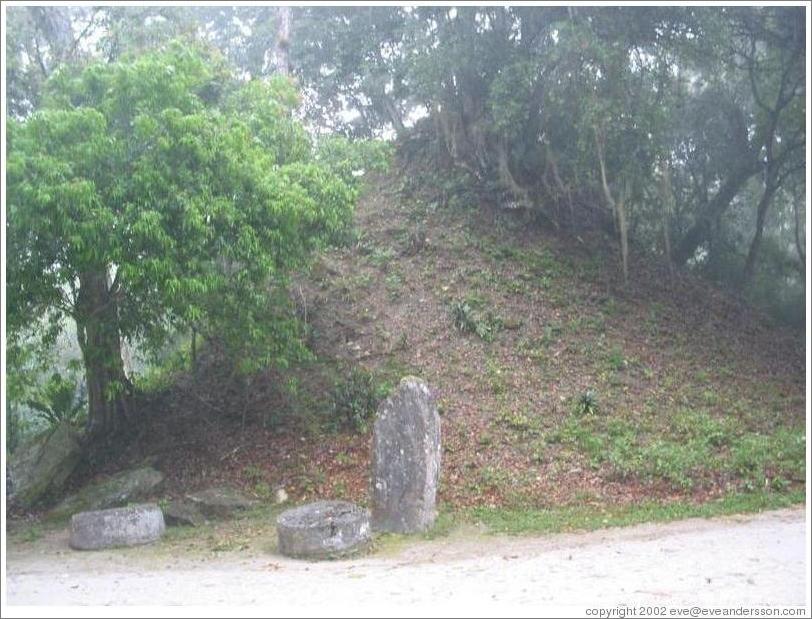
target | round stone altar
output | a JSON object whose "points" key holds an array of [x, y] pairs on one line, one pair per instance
{"points": [[110, 528], [323, 530]]}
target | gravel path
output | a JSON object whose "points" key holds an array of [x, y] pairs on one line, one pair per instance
{"points": [[735, 561]]}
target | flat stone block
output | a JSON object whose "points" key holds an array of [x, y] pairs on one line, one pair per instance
{"points": [[122, 526], [323, 530]]}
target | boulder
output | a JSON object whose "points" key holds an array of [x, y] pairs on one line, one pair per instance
{"points": [[110, 528], [183, 513], [119, 489], [406, 459], [41, 466], [220, 501], [323, 530]]}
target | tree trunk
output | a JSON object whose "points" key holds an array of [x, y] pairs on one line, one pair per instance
{"points": [[394, 116], [97, 331], [520, 193], [698, 233], [623, 226], [667, 199], [798, 245], [617, 206], [282, 46], [755, 245]]}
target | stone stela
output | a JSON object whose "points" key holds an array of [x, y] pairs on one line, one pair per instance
{"points": [[406, 459]]}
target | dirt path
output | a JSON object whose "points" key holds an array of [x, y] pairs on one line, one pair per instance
{"points": [[733, 561]]}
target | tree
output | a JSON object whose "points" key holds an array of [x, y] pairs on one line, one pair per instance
{"points": [[774, 61], [38, 41], [350, 60], [156, 192]]}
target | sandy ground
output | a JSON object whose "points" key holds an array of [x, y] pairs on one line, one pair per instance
{"points": [[734, 561]]}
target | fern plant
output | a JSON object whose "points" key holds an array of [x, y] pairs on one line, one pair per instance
{"points": [[467, 320], [58, 401]]}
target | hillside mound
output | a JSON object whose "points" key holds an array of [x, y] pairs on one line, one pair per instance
{"points": [[556, 383]]}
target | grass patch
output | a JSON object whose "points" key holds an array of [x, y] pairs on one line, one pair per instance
{"points": [[520, 421], [496, 377], [392, 543], [588, 518], [381, 257], [693, 448], [30, 533], [394, 285]]}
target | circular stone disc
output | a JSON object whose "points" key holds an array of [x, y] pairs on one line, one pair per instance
{"points": [[321, 530]]}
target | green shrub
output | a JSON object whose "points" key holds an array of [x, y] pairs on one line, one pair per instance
{"points": [[355, 399], [587, 403], [463, 317], [468, 320]]}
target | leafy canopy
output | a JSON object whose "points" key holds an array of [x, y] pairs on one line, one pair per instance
{"points": [[193, 193]]}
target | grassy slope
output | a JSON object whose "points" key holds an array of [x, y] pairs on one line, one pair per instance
{"points": [[695, 398]]}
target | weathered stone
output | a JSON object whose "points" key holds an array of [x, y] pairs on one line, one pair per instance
{"points": [[123, 526], [323, 530], [183, 513], [406, 459], [42, 465], [119, 489], [220, 502]]}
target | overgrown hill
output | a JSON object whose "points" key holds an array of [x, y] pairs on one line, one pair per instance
{"points": [[557, 384]]}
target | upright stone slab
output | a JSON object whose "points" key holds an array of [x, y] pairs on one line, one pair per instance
{"points": [[405, 459]]}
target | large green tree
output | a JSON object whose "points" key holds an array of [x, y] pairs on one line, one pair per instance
{"points": [[157, 192]]}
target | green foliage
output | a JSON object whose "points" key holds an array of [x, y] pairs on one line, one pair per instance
{"points": [[355, 398], [589, 517], [497, 377], [615, 359], [692, 447], [466, 319], [587, 403], [519, 421], [763, 458], [463, 316], [191, 195], [350, 159], [165, 365], [523, 103], [700, 426], [27, 360], [58, 401]]}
